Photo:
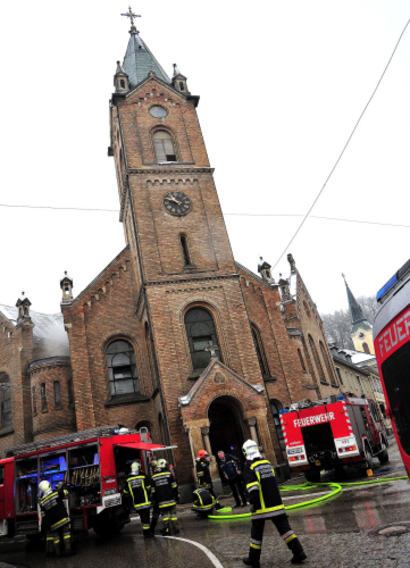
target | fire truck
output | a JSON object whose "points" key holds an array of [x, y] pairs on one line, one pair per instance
{"points": [[93, 464], [333, 433]]}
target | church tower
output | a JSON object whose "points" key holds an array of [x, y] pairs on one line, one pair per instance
{"points": [[361, 331], [189, 295]]}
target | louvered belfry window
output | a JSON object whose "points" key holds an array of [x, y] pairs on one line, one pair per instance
{"points": [[200, 329], [164, 147], [122, 370]]}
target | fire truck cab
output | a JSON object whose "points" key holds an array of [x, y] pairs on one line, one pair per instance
{"points": [[339, 431], [94, 465]]}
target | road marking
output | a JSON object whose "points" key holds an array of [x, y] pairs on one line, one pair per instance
{"points": [[209, 554]]}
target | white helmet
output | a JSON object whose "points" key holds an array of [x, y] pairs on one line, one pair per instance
{"points": [[135, 467], [251, 450], [162, 463], [44, 487]]}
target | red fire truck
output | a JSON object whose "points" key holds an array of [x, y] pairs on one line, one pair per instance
{"points": [[94, 464], [333, 433]]}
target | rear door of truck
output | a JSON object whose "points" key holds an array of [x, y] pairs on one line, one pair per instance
{"points": [[295, 447]]}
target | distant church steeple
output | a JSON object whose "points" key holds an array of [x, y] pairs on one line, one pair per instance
{"points": [[361, 330]]}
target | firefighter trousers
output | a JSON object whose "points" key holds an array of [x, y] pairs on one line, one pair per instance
{"points": [[62, 541], [169, 518], [282, 525], [144, 516]]}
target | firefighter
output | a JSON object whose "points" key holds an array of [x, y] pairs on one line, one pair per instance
{"points": [[204, 475], [138, 486], [266, 503], [55, 516], [231, 469], [203, 503], [165, 495]]}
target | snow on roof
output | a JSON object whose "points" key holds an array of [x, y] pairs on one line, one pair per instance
{"points": [[48, 330], [358, 356]]}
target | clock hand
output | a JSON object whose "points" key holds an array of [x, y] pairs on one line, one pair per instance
{"points": [[173, 199]]}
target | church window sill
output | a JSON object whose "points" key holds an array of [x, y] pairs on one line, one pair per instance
{"points": [[6, 431], [196, 373], [324, 383], [126, 399]]}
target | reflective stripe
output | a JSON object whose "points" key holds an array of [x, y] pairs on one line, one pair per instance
{"points": [[257, 546], [287, 534], [67, 536], [256, 541], [253, 484], [291, 537], [60, 522], [265, 515], [160, 474], [174, 519]]}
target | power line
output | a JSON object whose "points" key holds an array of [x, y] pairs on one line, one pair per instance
{"points": [[225, 214], [345, 146]]}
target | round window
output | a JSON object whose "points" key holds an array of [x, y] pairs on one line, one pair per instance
{"points": [[158, 111]]}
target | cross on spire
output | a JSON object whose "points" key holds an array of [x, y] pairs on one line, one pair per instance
{"points": [[344, 278], [130, 14]]}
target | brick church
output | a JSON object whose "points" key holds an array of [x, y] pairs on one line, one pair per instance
{"points": [[173, 335]]}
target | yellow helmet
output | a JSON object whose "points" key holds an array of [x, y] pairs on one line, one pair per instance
{"points": [[44, 486], [162, 463], [135, 467]]}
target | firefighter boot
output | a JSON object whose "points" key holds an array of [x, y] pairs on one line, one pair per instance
{"points": [[298, 554], [154, 522], [175, 525], [254, 556], [50, 552], [165, 530], [68, 546], [57, 547]]}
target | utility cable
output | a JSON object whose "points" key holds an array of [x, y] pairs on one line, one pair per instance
{"points": [[225, 214], [345, 146]]}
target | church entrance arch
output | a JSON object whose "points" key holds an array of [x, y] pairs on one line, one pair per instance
{"points": [[225, 427]]}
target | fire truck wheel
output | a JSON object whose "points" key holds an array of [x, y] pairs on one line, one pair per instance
{"points": [[313, 475], [369, 458], [107, 526], [383, 457]]}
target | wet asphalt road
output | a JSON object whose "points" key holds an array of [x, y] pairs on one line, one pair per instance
{"points": [[335, 534]]}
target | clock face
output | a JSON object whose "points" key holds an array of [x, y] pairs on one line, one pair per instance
{"points": [[177, 203], [158, 111]]}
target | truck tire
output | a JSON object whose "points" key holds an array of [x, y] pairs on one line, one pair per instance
{"points": [[313, 475], [106, 526], [369, 459], [383, 457]]}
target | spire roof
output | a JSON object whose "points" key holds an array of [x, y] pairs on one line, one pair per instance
{"points": [[356, 313], [139, 61]]}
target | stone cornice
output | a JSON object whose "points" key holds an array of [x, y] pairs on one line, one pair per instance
{"points": [[190, 279], [166, 169]]}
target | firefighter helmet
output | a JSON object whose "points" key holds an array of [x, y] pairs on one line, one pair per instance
{"points": [[162, 463], [135, 467], [202, 454], [154, 464], [44, 487], [251, 449]]}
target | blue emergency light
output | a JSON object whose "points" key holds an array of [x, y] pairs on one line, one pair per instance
{"points": [[283, 411], [395, 278]]}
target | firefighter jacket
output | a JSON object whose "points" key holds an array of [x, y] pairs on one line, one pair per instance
{"points": [[263, 490], [203, 473], [139, 488], [53, 510], [164, 488], [203, 500]]}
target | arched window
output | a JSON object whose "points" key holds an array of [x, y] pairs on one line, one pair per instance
{"points": [[366, 348], [43, 395], [329, 368], [5, 394], [122, 83], [257, 341], [122, 370], [302, 361], [185, 251], [201, 333], [57, 394], [275, 407], [34, 398], [317, 360], [164, 147]]}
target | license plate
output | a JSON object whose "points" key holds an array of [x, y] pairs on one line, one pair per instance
{"points": [[317, 462]]}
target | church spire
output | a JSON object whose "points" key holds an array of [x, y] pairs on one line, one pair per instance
{"points": [[356, 313], [139, 61]]}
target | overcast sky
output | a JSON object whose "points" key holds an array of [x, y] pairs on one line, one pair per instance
{"points": [[282, 85]]}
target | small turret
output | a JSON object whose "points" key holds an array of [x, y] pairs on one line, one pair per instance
{"points": [[23, 304], [121, 80], [179, 81], [264, 270], [66, 285]]}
